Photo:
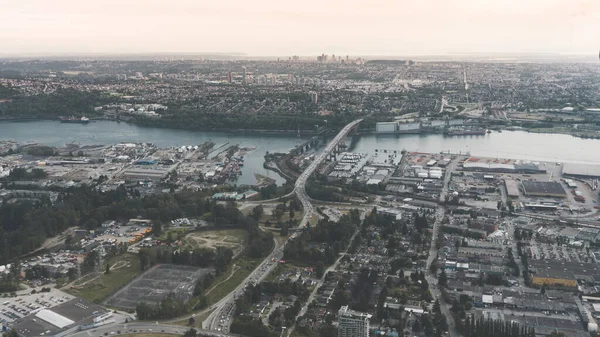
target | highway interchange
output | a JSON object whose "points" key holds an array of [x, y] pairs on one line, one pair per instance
{"points": [[222, 315]]}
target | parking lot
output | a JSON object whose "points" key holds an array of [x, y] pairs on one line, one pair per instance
{"points": [[14, 308], [548, 251]]}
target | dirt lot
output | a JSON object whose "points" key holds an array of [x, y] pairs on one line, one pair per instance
{"points": [[231, 238]]}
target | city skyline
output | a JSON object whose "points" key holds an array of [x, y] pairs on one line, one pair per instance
{"points": [[268, 27]]}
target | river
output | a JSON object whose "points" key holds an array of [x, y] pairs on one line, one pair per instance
{"points": [[508, 144]]}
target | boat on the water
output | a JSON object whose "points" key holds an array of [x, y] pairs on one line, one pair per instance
{"points": [[82, 120]]}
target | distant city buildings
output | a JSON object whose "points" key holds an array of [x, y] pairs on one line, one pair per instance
{"points": [[244, 79], [353, 323]]}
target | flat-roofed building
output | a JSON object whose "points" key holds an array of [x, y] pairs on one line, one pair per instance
{"points": [[512, 188], [553, 189], [62, 320], [353, 323]]}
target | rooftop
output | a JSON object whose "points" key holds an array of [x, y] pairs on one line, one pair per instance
{"points": [[552, 188], [58, 319]]}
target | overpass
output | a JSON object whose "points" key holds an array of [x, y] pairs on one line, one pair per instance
{"points": [[222, 315], [300, 186]]}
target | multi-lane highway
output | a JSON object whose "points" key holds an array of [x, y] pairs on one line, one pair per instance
{"points": [[222, 316], [140, 327], [300, 186]]}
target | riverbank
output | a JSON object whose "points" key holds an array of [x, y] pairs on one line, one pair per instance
{"points": [[578, 134], [517, 144]]}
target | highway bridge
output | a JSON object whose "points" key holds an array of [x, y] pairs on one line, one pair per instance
{"points": [[222, 316], [300, 186]]}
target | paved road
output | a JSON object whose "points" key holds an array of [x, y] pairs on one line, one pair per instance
{"points": [[220, 319], [300, 186], [431, 278], [127, 328], [333, 267], [513, 243]]}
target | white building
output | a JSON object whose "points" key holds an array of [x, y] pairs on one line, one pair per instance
{"points": [[353, 323]]}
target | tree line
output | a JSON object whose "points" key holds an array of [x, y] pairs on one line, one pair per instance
{"points": [[62, 102], [25, 226], [494, 328], [218, 258], [323, 242]]}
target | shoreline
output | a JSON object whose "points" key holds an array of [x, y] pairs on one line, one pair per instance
{"points": [[582, 135]]}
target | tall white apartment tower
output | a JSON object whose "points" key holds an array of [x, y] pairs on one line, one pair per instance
{"points": [[353, 323]]}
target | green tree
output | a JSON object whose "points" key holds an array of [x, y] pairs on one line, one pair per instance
{"points": [[320, 269], [157, 228], [443, 279], [257, 212], [11, 333], [284, 230], [144, 261], [191, 333]]}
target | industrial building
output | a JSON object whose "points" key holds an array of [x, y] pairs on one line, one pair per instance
{"points": [[549, 272], [63, 320], [144, 174], [512, 188], [353, 323], [476, 164], [581, 170], [532, 188], [386, 127], [409, 127]]}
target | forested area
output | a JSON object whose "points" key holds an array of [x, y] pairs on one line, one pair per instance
{"points": [[323, 242], [9, 282], [63, 102], [218, 258], [187, 118], [325, 193], [25, 226], [7, 92]]}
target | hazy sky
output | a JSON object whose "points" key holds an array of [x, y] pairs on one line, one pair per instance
{"points": [[302, 27]]}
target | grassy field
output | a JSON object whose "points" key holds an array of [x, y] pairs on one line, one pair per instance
{"points": [[199, 319], [174, 233], [126, 268]]}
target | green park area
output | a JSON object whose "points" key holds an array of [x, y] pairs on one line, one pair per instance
{"points": [[96, 287]]}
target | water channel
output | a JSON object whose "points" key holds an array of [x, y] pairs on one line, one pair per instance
{"points": [[508, 144]]}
